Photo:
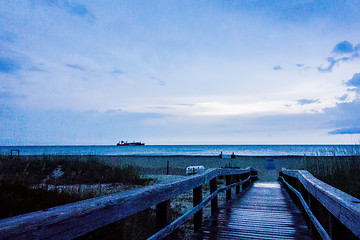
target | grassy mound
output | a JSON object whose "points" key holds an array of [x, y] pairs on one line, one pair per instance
{"points": [[42, 169], [17, 198]]}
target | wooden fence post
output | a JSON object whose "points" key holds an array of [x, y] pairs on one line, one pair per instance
{"points": [[197, 198], [228, 192], [214, 201], [162, 214], [167, 167], [237, 178]]}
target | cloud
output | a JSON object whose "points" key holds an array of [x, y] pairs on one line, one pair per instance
{"points": [[72, 7], [343, 47], [344, 117], [160, 82], [35, 69], [277, 67], [31, 126], [9, 66], [7, 36], [354, 81], [351, 130], [117, 72], [331, 62], [307, 101], [344, 97], [77, 9], [74, 66], [186, 104], [6, 95], [357, 47]]}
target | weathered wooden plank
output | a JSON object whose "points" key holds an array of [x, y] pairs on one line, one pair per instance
{"points": [[75, 219], [263, 211], [324, 235], [343, 206], [178, 222]]}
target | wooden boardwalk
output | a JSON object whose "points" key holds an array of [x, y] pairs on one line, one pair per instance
{"points": [[264, 211]]}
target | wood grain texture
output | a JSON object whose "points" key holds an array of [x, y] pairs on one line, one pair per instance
{"points": [[263, 211], [75, 219], [178, 222], [342, 206], [324, 235]]}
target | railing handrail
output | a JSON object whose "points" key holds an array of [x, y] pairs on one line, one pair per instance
{"points": [[186, 216], [75, 219], [320, 229], [341, 205]]}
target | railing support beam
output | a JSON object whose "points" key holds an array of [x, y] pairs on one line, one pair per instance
{"points": [[228, 192], [162, 214], [237, 178], [197, 198], [214, 201]]}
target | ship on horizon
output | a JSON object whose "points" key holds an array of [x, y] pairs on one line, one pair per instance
{"points": [[122, 143]]}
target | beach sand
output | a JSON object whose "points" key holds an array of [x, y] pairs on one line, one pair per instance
{"points": [[177, 164], [157, 165]]}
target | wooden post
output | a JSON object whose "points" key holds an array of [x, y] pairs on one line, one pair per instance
{"points": [[167, 168], [237, 177], [228, 192], [214, 201], [15, 150], [197, 198], [162, 214]]}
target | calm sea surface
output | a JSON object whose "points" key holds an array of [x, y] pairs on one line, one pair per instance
{"points": [[190, 150]]}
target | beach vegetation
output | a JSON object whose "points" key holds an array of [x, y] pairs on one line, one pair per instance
{"points": [[340, 170], [17, 198], [20, 178], [66, 170]]}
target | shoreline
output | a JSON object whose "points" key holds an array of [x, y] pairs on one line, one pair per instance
{"points": [[140, 155], [157, 165]]}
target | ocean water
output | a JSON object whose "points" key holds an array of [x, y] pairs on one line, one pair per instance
{"points": [[189, 150]]}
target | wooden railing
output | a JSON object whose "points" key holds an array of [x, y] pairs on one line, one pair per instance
{"points": [[76, 219], [330, 213]]}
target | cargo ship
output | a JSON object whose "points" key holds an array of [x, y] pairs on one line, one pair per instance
{"points": [[122, 143]]}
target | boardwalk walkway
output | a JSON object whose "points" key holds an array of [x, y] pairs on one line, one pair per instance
{"points": [[264, 211]]}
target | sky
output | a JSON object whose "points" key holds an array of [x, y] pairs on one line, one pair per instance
{"points": [[179, 72]]}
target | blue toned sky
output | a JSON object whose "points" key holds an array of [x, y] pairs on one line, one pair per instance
{"points": [[179, 72]]}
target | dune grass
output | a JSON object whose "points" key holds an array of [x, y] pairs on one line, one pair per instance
{"points": [[341, 170], [74, 170], [17, 198], [17, 175]]}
